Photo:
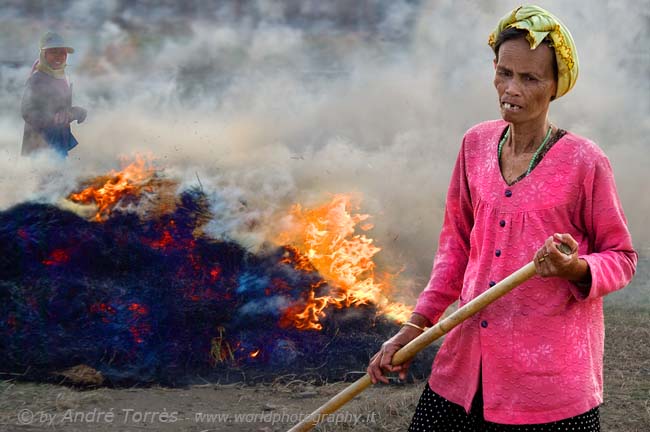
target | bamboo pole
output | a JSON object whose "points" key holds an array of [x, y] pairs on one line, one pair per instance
{"points": [[409, 350]]}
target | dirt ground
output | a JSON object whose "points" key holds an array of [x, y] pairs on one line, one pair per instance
{"points": [[276, 407]]}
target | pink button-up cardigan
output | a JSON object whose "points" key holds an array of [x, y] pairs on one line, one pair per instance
{"points": [[539, 349]]}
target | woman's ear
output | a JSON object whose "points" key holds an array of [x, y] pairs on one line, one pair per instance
{"points": [[554, 91]]}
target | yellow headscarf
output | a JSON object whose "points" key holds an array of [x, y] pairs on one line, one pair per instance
{"points": [[540, 23], [45, 67]]}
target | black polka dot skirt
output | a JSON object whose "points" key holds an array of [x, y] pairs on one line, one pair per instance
{"points": [[436, 414]]}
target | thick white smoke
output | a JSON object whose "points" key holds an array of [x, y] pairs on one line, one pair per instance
{"points": [[272, 103]]}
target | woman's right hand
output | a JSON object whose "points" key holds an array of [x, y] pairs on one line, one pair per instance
{"points": [[381, 361]]}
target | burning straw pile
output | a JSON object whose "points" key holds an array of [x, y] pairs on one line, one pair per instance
{"points": [[147, 297]]}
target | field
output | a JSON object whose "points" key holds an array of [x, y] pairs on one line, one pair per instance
{"points": [[268, 408]]}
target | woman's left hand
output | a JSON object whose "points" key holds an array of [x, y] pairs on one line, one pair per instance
{"points": [[551, 262], [63, 117]]}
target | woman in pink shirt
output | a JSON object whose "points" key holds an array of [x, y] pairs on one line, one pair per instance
{"points": [[531, 361]]}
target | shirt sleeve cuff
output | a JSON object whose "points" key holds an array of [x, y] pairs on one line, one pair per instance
{"points": [[428, 312], [582, 290]]}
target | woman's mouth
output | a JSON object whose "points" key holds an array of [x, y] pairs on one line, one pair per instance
{"points": [[510, 107]]}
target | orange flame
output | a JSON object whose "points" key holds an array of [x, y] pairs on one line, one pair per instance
{"points": [[58, 256], [106, 191], [138, 330], [255, 353], [326, 237]]}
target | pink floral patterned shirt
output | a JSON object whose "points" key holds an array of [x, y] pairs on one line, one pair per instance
{"points": [[539, 349]]}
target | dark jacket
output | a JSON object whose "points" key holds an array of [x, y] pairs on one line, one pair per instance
{"points": [[44, 97]]}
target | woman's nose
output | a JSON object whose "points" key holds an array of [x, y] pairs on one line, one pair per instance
{"points": [[512, 88]]}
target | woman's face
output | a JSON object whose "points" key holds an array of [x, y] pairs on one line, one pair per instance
{"points": [[525, 80], [56, 57]]}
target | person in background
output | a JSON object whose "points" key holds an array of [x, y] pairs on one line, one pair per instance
{"points": [[532, 360], [47, 101]]}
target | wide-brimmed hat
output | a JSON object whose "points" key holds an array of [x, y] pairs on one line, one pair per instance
{"points": [[54, 40]]}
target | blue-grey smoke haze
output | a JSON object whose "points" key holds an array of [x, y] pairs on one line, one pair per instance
{"points": [[276, 102]]}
